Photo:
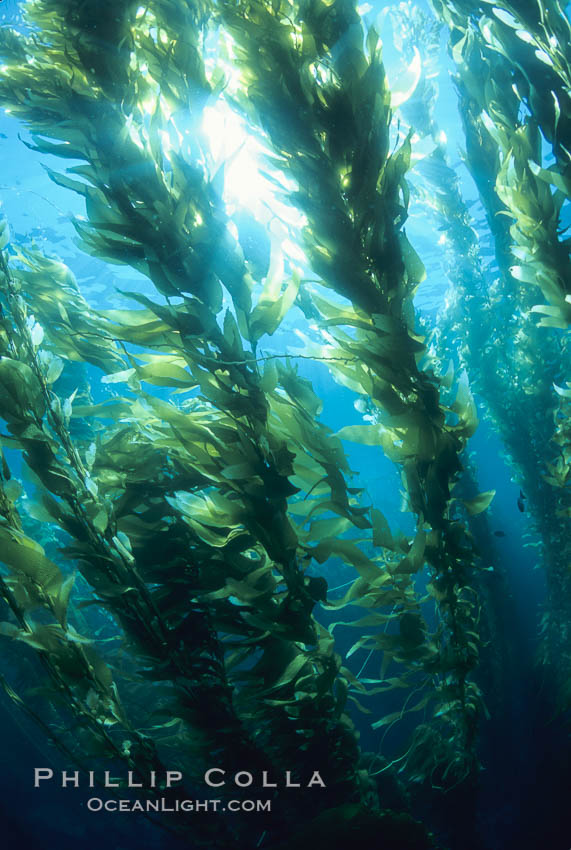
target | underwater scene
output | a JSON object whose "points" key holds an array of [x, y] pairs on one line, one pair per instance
{"points": [[284, 424]]}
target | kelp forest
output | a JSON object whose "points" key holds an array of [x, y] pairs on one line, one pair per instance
{"points": [[284, 423]]}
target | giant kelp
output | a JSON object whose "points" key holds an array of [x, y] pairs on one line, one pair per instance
{"points": [[206, 481], [119, 534], [322, 98], [469, 319], [138, 202], [517, 360], [200, 524], [521, 64]]}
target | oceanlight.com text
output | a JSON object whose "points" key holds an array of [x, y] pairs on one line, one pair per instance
{"points": [[97, 804]]}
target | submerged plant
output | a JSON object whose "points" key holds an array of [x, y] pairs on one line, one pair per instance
{"points": [[200, 498], [324, 103], [523, 60], [178, 514]]}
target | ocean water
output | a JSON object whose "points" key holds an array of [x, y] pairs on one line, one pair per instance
{"points": [[197, 634]]}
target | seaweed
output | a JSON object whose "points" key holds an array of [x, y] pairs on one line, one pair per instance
{"points": [[224, 619], [523, 202], [324, 103], [201, 498]]}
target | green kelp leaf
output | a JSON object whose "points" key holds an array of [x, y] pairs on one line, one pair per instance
{"points": [[69, 183], [13, 489], [38, 511], [9, 630], [190, 318], [436, 592], [212, 509], [412, 630], [18, 383], [564, 392], [113, 408], [65, 150], [552, 176], [526, 274], [366, 642], [326, 528], [384, 685], [232, 336], [60, 598], [524, 35], [506, 18], [557, 108], [479, 503], [35, 638], [240, 472], [101, 520], [414, 559], [162, 371], [268, 315], [447, 707], [6, 474], [492, 128], [299, 390], [544, 57], [54, 370], [309, 507], [36, 335], [349, 552], [351, 679], [465, 406], [358, 591], [4, 233], [25, 556], [219, 537], [558, 315], [415, 269], [269, 379], [242, 592], [106, 590], [165, 374], [338, 311], [372, 41], [447, 379], [291, 673], [382, 535], [366, 435], [59, 644], [99, 668], [136, 318]]}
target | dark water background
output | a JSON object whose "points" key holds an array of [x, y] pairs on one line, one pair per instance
{"points": [[522, 799]]}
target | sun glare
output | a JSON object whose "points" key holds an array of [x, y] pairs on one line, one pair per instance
{"points": [[235, 148]]}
